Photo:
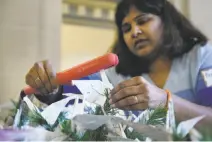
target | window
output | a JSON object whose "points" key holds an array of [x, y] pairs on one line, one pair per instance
{"points": [[89, 11], [73, 9], [105, 13]]}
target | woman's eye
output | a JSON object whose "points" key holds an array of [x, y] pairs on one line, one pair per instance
{"points": [[142, 21], [126, 28]]}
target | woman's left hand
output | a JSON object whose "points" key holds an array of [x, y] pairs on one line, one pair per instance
{"points": [[137, 94]]}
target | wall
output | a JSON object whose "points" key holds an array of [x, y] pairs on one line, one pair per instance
{"points": [[201, 15], [29, 32], [199, 12], [82, 43]]}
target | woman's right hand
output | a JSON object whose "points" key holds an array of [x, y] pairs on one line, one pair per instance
{"points": [[42, 78]]}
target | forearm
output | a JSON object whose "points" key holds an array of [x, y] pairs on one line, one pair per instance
{"points": [[185, 110]]}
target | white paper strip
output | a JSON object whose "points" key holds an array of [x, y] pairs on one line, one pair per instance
{"points": [[51, 113], [17, 118], [185, 127], [75, 109], [93, 90], [105, 79], [31, 106]]}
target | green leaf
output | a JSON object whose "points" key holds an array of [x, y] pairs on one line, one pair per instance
{"points": [[99, 134], [107, 107], [35, 118], [179, 137], [157, 117], [66, 127], [133, 135], [15, 104], [14, 110], [206, 134]]}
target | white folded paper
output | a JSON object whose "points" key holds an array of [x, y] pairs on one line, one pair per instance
{"points": [[76, 108], [51, 113], [92, 90], [31, 106], [105, 79], [186, 126]]}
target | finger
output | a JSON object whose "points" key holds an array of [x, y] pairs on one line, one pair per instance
{"points": [[32, 73], [31, 82], [132, 100], [43, 78], [40, 87], [32, 79], [127, 83], [50, 74], [139, 106], [128, 91]]}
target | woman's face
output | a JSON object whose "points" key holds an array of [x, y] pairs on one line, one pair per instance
{"points": [[141, 31]]}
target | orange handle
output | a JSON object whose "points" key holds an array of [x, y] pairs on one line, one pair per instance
{"points": [[168, 97], [82, 70]]}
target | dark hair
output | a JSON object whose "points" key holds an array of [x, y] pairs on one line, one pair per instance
{"points": [[179, 35]]}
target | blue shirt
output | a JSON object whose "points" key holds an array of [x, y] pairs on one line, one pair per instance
{"points": [[186, 78], [189, 77]]}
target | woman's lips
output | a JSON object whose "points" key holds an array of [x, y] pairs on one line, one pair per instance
{"points": [[140, 43]]}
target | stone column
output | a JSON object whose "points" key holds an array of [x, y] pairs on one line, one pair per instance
{"points": [[182, 6], [200, 15], [199, 12], [29, 32]]}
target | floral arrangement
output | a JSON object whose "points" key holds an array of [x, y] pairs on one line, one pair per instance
{"points": [[91, 118]]}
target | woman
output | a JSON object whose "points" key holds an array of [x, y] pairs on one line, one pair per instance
{"points": [[158, 49]]}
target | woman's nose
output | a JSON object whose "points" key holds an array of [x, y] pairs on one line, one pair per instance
{"points": [[136, 32]]}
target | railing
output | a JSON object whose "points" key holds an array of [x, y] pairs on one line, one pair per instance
{"points": [[97, 13]]}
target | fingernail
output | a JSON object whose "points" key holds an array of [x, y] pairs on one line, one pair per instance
{"points": [[111, 92], [110, 101], [109, 95]]}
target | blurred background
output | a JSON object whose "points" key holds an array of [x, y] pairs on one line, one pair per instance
{"points": [[66, 32]]}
